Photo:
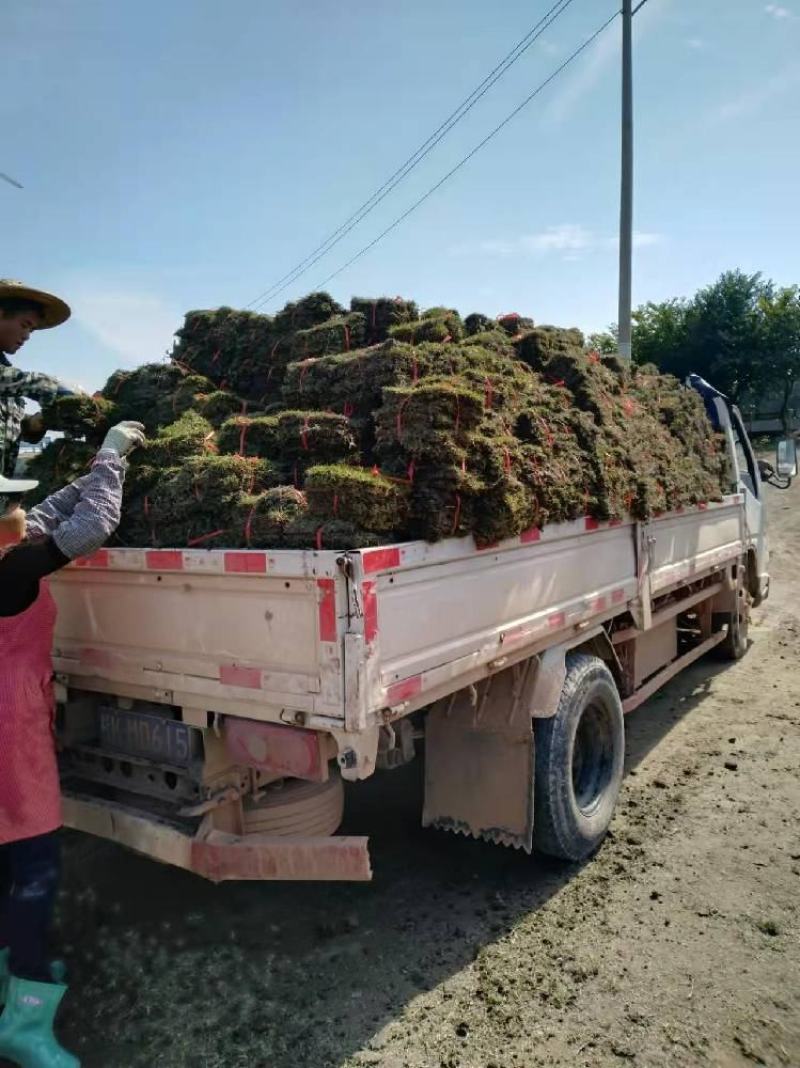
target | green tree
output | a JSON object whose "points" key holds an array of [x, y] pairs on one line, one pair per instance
{"points": [[779, 365], [719, 333]]}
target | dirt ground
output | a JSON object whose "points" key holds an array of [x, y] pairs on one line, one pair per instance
{"points": [[675, 946]]}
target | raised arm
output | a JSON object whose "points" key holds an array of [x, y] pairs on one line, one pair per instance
{"points": [[81, 517]]}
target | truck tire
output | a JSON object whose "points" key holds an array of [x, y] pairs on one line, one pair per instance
{"points": [[580, 754], [735, 643]]}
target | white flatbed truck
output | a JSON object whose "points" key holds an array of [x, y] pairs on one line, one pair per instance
{"points": [[212, 702]]}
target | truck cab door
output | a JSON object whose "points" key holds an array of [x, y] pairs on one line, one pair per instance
{"points": [[748, 482]]}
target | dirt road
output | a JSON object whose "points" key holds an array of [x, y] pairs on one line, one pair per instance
{"points": [[676, 946]]}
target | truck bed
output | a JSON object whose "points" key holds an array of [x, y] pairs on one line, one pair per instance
{"points": [[341, 640]]}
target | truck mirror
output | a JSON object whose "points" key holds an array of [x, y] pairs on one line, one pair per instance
{"points": [[786, 458]]}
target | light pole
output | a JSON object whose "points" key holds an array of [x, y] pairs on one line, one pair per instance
{"points": [[626, 187]]}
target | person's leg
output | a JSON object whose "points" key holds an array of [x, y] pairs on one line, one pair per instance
{"points": [[5, 890], [32, 997], [35, 869]]}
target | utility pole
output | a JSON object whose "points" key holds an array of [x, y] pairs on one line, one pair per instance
{"points": [[626, 186]]}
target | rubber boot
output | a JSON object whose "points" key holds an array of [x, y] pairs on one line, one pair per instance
{"points": [[58, 973], [26, 1026]]}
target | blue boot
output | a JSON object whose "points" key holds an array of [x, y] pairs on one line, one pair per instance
{"points": [[58, 973], [26, 1025]]}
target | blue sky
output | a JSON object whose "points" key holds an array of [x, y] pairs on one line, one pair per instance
{"points": [[186, 153]]}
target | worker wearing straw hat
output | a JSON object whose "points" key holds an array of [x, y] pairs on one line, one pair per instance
{"points": [[71, 523], [23, 310]]}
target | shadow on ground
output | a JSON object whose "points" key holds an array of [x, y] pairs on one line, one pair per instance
{"points": [[172, 971]]}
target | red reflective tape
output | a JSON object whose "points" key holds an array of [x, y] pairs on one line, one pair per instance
{"points": [[246, 563], [598, 604], [380, 560], [402, 691], [369, 594], [164, 560], [591, 524], [558, 619], [246, 677], [99, 559], [327, 609], [618, 596], [703, 506], [528, 536], [488, 545]]}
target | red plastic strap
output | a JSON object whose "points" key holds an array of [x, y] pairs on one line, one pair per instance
{"points": [[348, 409], [560, 383], [204, 537], [594, 356], [243, 437], [446, 339], [410, 471], [318, 537], [457, 513], [146, 505], [488, 393], [506, 460], [376, 470], [304, 434], [248, 526], [399, 417]]}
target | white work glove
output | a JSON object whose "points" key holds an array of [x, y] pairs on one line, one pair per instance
{"points": [[124, 437]]}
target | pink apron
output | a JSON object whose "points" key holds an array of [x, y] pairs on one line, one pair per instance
{"points": [[30, 797]]}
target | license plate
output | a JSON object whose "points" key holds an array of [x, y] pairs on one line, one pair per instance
{"points": [[165, 741]]}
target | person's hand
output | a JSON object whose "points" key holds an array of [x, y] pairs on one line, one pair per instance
{"points": [[124, 437], [33, 428]]}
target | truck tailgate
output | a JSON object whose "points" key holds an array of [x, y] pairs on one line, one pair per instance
{"points": [[251, 628]]}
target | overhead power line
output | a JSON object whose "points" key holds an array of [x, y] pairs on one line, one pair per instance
{"points": [[482, 144], [11, 181], [424, 149]]}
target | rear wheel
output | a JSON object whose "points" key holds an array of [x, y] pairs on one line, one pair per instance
{"points": [[735, 643], [579, 761]]}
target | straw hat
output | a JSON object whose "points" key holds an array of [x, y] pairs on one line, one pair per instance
{"points": [[54, 311]]}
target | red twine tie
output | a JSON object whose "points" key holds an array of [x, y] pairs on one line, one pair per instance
{"points": [[304, 434], [457, 513], [318, 538], [204, 537]]}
